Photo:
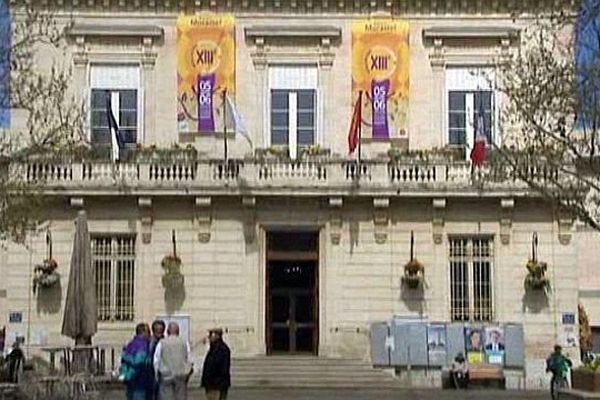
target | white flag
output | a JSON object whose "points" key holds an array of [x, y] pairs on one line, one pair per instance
{"points": [[233, 120]]}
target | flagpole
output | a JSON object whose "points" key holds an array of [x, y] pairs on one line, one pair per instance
{"points": [[224, 124], [359, 125]]}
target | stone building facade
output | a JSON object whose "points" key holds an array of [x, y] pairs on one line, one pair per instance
{"points": [[318, 243]]}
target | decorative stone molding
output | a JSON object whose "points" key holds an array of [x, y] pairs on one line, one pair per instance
{"points": [[565, 227], [84, 35], [76, 202], [335, 219], [397, 8], [203, 218], [437, 56], [249, 206], [437, 220], [264, 36], [506, 217], [146, 218], [447, 42], [381, 218]]}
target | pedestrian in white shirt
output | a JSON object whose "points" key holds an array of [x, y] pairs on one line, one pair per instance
{"points": [[173, 365]]}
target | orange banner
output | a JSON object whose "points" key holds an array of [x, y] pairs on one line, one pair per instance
{"points": [[380, 69], [205, 68]]}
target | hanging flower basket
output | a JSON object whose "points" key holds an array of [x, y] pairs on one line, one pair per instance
{"points": [[172, 278], [414, 273], [45, 275], [536, 276]]}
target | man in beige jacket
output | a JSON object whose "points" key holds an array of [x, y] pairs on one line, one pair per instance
{"points": [[172, 365]]}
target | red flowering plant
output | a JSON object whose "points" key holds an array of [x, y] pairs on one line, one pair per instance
{"points": [[45, 274], [172, 278]]}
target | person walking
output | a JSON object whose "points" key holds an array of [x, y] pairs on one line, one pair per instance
{"points": [[216, 375], [136, 365], [172, 365], [558, 365], [158, 333]]}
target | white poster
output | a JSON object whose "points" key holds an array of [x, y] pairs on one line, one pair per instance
{"points": [[184, 324]]}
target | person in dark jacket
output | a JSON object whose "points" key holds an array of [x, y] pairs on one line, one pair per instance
{"points": [[216, 377], [14, 361], [158, 334]]}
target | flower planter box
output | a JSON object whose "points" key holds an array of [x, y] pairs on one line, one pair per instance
{"points": [[585, 380]]}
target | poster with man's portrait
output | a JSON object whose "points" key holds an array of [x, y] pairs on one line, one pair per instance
{"points": [[474, 344], [494, 344]]}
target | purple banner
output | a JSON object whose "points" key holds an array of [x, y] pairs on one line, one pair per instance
{"points": [[206, 88], [379, 95]]}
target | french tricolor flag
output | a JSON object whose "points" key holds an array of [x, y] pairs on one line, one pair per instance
{"points": [[478, 153]]}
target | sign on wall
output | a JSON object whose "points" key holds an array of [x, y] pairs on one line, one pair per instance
{"points": [[184, 324], [205, 67], [436, 344], [494, 344], [380, 69], [474, 337]]}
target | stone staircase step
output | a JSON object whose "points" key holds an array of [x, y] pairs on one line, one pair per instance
{"points": [[308, 372]]}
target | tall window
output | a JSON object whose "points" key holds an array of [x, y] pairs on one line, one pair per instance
{"points": [[293, 106], [119, 87], [113, 258], [471, 294], [470, 96]]}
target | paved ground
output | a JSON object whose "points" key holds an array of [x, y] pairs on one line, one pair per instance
{"points": [[344, 394], [340, 394]]}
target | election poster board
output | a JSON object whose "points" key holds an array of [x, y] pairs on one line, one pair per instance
{"points": [[494, 345], [436, 344], [380, 70], [474, 338], [205, 68]]}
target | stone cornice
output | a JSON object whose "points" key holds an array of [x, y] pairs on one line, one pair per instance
{"points": [[287, 31], [82, 34], [103, 30], [313, 7], [471, 32]]}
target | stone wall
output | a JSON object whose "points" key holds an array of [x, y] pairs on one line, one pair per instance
{"points": [[359, 277]]}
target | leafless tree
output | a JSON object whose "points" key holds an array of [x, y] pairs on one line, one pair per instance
{"points": [[551, 116], [47, 117]]}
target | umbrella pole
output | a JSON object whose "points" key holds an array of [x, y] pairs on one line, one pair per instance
{"points": [[29, 299]]}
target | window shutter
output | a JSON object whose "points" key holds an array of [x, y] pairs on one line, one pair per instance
{"points": [[141, 117], [87, 120]]}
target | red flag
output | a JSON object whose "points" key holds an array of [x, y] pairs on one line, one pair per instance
{"points": [[478, 153], [353, 134]]}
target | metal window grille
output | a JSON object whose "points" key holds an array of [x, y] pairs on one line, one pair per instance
{"points": [[471, 293], [113, 258]]}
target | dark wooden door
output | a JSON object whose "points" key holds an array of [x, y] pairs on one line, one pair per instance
{"points": [[292, 301], [293, 321]]}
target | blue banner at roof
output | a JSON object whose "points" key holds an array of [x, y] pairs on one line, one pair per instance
{"points": [[5, 47], [587, 59]]}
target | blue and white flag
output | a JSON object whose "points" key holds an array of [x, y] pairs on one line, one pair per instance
{"points": [[234, 120], [5, 48], [115, 137]]}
